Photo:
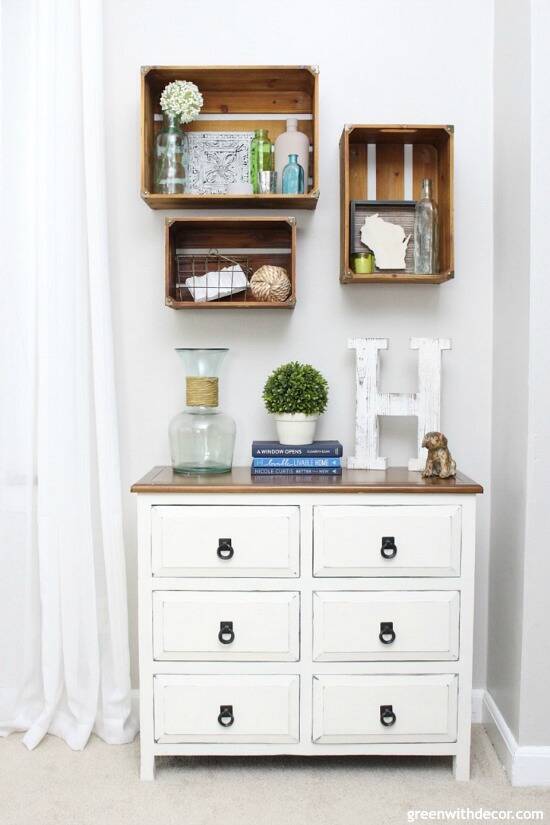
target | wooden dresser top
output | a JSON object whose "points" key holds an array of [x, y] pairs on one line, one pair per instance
{"points": [[239, 480]]}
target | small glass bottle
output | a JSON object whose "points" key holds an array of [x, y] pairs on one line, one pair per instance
{"points": [[170, 158], [426, 233], [260, 157], [293, 177], [201, 437]]}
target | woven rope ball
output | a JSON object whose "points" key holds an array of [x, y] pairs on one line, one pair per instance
{"points": [[270, 283]]}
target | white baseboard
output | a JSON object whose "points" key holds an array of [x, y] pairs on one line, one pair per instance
{"points": [[524, 764], [477, 705]]}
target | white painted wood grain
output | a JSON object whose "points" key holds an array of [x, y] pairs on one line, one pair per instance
{"points": [[266, 626], [349, 540], [265, 541], [265, 708], [347, 708], [425, 404], [347, 624]]}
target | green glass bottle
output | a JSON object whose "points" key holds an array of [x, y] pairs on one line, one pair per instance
{"points": [[260, 157]]}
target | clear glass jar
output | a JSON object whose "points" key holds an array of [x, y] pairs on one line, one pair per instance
{"points": [[293, 177], [260, 158], [201, 437], [171, 149]]}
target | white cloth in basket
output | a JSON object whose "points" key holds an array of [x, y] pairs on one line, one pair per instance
{"points": [[216, 285]]}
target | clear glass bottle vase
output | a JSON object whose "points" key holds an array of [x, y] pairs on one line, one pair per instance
{"points": [[202, 438], [171, 151], [426, 232]]}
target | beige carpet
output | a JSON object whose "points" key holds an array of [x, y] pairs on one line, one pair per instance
{"points": [[100, 786]]}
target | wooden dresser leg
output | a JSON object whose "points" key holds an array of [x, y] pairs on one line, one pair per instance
{"points": [[147, 772]]}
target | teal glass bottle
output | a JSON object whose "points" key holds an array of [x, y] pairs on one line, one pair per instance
{"points": [[260, 157], [293, 177]]}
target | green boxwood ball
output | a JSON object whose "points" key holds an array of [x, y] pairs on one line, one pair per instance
{"points": [[296, 388]]}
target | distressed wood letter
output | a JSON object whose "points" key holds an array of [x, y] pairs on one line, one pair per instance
{"points": [[370, 403]]}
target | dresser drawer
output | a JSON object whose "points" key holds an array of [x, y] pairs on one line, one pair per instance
{"points": [[366, 540], [223, 626], [226, 708], [357, 626], [377, 708], [234, 541]]}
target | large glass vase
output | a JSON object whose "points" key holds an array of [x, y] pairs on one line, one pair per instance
{"points": [[201, 437], [171, 150]]}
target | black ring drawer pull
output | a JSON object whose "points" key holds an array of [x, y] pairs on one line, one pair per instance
{"points": [[226, 634], [387, 633], [389, 547], [225, 550], [225, 716], [387, 716]]}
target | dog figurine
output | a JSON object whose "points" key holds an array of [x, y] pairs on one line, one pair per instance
{"points": [[440, 462]]}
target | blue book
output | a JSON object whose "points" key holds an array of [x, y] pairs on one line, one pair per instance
{"points": [[296, 471], [292, 461], [318, 449]]}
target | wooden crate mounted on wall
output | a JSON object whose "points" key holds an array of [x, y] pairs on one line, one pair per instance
{"points": [[261, 240], [389, 163], [236, 98]]}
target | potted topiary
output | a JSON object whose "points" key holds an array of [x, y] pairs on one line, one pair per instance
{"points": [[296, 395]]}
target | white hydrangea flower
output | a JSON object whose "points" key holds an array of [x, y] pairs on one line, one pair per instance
{"points": [[181, 99]]}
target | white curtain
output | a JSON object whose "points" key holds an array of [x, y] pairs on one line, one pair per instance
{"points": [[64, 660]]}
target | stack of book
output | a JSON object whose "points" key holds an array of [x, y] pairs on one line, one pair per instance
{"points": [[321, 458]]}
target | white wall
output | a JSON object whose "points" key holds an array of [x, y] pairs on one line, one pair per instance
{"points": [[420, 61], [518, 676], [512, 239], [534, 726]]}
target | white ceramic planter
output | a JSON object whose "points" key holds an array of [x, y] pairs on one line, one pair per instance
{"points": [[296, 428]]}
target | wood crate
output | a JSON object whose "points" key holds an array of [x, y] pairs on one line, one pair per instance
{"points": [[388, 163], [259, 240], [236, 98]]}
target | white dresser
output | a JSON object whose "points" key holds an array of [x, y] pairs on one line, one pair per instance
{"points": [[282, 616]]}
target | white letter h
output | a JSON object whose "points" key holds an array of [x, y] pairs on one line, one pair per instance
{"points": [[370, 403]]}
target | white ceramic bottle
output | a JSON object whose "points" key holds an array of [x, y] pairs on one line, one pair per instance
{"points": [[292, 142]]}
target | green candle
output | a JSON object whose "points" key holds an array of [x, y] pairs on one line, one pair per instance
{"points": [[363, 263]]}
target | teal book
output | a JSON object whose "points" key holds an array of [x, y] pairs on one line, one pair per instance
{"points": [[296, 461]]}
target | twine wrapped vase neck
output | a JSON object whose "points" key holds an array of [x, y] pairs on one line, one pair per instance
{"points": [[201, 391]]}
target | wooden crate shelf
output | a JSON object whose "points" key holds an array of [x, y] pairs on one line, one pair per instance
{"points": [[262, 240], [402, 157], [265, 96]]}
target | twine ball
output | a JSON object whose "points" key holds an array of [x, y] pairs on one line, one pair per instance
{"points": [[270, 283]]}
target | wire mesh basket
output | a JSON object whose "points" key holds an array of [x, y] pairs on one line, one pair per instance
{"points": [[212, 276]]}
